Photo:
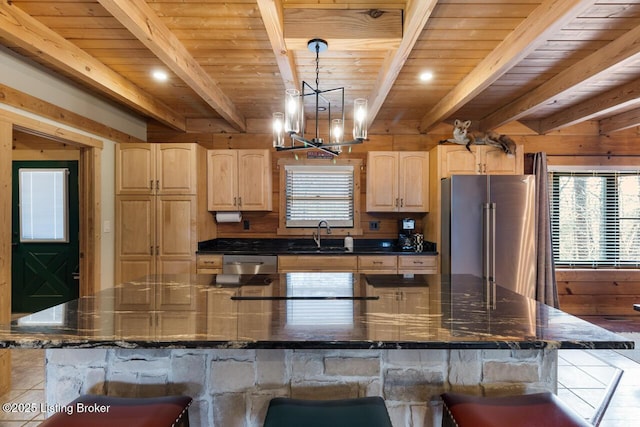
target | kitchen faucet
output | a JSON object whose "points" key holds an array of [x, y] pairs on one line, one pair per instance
{"points": [[316, 236]]}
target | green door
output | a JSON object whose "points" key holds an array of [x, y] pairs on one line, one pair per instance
{"points": [[45, 226]]}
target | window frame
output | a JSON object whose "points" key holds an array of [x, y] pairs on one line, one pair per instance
{"points": [[356, 230], [611, 243]]}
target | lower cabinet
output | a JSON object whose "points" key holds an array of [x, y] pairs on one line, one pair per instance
{"points": [[148, 309], [293, 263], [208, 264], [368, 264], [408, 304], [417, 264]]}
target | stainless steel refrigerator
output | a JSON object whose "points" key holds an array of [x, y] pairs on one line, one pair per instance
{"points": [[488, 229]]}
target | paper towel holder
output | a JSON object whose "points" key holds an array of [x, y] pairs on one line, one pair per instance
{"points": [[222, 217]]}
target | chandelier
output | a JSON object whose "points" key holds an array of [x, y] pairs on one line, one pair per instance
{"points": [[291, 122]]}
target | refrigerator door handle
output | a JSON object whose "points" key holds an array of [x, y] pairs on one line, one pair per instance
{"points": [[486, 243], [492, 253]]}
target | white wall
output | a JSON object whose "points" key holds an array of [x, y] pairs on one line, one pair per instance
{"points": [[31, 78]]}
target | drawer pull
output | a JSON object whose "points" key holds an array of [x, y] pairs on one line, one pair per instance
{"points": [[208, 262], [418, 262], [377, 262]]}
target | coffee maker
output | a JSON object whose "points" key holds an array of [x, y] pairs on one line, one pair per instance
{"points": [[406, 230]]}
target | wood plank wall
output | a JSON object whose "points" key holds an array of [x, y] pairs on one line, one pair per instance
{"points": [[611, 292]]}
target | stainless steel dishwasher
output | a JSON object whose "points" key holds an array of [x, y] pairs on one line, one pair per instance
{"points": [[249, 264]]}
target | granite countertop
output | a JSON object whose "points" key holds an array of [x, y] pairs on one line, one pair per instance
{"points": [[299, 246], [307, 310]]}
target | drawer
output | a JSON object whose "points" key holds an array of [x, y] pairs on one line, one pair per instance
{"points": [[378, 263], [209, 264], [289, 263], [417, 264]]}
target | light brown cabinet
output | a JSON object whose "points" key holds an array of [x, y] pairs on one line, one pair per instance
{"points": [[293, 263], [156, 168], [481, 160], [239, 180], [417, 264], [208, 264], [408, 305], [397, 181], [146, 309], [377, 264], [158, 225]]}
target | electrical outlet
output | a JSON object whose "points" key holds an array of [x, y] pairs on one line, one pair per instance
{"points": [[374, 225], [246, 224]]}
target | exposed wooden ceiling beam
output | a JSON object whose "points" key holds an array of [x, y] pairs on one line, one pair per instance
{"points": [[272, 16], [624, 96], [416, 17], [147, 27], [348, 29], [621, 121], [546, 19], [614, 55], [30, 34]]}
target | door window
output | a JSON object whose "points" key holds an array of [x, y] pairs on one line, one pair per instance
{"points": [[43, 205]]}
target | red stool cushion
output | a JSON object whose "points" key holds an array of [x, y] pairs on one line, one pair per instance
{"points": [[107, 411], [529, 410]]}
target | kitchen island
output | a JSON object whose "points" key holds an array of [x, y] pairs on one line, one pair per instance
{"points": [[234, 342]]}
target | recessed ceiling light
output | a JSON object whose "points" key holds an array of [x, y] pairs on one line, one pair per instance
{"points": [[426, 76], [160, 75]]}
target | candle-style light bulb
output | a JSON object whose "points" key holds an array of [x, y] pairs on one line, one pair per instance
{"points": [[292, 111], [360, 118], [278, 130]]}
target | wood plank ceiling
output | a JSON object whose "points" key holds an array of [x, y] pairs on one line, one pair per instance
{"points": [[548, 64]]}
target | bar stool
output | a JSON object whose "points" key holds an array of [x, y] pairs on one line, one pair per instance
{"points": [[530, 410], [107, 411], [358, 412]]}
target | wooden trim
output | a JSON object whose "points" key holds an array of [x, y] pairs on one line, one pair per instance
{"points": [[26, 102], [308, 231], [49, 131], [6, 133], [90, 220]]}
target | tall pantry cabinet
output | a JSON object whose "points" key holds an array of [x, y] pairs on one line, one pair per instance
{"points": [[160, 209]]}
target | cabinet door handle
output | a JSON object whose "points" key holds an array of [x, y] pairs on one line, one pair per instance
{"points": [[235, 199], [151, 185], [396, 202], [484, 168], [239, 201], [479, 167], [402, 202], [150, 250], [157, 184], [157, 250]]}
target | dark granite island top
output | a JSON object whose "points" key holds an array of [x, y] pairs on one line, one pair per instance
{"points": [[307, 311]]}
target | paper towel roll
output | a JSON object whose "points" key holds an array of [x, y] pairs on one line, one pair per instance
{"points": [[228, 216]]}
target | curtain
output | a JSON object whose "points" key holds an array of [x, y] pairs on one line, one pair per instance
{"points": [[546, 287]]}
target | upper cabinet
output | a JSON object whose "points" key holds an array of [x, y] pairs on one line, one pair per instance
{"points": [[156, 168], [481, 160], [397, 181], [239, 180]]}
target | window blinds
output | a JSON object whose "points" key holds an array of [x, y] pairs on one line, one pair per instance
{"points": [[319, 312], [595, 218], [316, 193]]}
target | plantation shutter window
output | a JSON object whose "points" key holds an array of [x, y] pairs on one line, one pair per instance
{"points": [[316, 193]]}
